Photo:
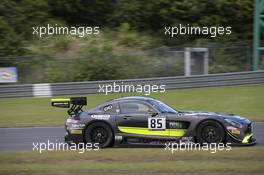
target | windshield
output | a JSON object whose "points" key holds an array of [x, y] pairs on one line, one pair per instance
{"points": [[162, 107]]}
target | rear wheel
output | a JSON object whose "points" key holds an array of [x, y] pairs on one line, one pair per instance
{"points": [[210, 132], [99, 133]]}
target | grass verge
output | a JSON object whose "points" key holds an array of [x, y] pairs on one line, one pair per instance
{"points": [[247, 160], [242, 100]]}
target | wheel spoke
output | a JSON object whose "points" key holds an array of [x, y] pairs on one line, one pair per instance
{"points": [[210, 134], [99, 135]]}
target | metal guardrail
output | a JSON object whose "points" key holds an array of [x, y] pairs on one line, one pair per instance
{"points": [[92, 87], [16, 91]]}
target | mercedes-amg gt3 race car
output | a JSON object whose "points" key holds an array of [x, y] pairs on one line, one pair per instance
{"points": [[142, 120]]}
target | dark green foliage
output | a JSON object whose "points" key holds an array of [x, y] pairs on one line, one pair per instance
{"points": [[128, 28], [89, 12]]}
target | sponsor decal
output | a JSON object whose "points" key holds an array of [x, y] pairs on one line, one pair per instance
{"points": [[76, 131], [77, 126], [61, 104], [101, 117], [176, 125], [70, 120], [187, 139], [108, 107]]}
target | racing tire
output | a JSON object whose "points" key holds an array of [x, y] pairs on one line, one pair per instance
{"points": [[99, 133], [210, 132]]}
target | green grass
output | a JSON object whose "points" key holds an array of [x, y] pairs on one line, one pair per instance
{"points": [[246, 101], [238, 161]]}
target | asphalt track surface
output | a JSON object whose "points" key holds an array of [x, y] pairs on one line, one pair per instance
{"points": [[22, 139]]}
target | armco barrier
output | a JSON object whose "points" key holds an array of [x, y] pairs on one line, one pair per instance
{"points": [[92, 87]]}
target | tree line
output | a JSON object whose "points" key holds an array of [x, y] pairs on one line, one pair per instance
{"points": [[129, 25]]}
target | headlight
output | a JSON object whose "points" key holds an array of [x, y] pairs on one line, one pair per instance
{"points": [[234, 123]]}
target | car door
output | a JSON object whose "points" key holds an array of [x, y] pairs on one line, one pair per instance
{"points": [[178, 124], [136, 119]]}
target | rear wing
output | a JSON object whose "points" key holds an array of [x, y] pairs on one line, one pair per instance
{"points": [[74, 103]]}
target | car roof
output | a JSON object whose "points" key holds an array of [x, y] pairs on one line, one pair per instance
{"points": [[140, 98]]}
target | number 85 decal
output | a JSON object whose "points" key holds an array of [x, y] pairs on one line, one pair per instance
{"points": [[156, 123]]}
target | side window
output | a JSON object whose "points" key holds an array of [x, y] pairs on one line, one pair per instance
{"points": [[134, 108]]}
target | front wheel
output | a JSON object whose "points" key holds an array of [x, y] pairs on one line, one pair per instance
{"points": [[210, 132], [99, 133]]}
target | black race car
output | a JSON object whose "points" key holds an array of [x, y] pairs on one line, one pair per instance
{"points": [[143, 120]]}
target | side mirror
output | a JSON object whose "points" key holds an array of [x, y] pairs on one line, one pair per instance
{"points": [[152, 112]]}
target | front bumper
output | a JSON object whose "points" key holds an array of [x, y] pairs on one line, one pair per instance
{"points": [[240, 136], [246, 140]]}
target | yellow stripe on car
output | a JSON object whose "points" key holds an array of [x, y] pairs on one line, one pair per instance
{"points": [[146, 131], [60, 99]]}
